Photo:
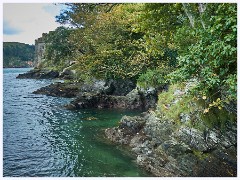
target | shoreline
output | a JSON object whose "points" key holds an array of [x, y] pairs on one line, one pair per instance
{"points": [[161, 147]]}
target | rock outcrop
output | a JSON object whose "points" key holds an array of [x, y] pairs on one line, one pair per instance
{"points": [[58, 89], [186, 146], [39, 74], [101, 94], [169, 150], [135, 99]]}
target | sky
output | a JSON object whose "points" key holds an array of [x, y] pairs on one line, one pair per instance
{"points": [[25, 22]]}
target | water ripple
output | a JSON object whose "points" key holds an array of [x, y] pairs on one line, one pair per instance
{"points": [[40, 138]]}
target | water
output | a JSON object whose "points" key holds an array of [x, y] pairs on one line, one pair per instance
{"points": [[42, 139]]}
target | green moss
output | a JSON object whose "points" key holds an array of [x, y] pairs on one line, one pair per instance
{"points": [[200, 155], [169, 109]]}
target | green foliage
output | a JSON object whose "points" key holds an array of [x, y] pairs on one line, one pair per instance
{"points": [[154, 44], [200, 155], [112, 40], [218, 118], [109, 48], [154, 78], [17, 54], [156, 75], [82, 15], [212, 57], [58, 50], [170, 106]]}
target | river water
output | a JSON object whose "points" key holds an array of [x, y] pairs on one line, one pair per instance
{"points": [[42, 139]]}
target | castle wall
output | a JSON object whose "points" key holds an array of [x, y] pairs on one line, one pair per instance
{"points": [[40, 50]]}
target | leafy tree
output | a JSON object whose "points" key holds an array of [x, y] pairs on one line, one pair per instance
{"points": [[109, 48], [82, 15], [58, 48], [156, 43], [118, 51], [212, 57], [17, 54], [159, 22]]}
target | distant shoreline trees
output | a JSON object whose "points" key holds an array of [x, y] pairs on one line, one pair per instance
{"points": [[17, 54]]}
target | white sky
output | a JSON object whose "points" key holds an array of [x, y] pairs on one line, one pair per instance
{"points": [[25, 22]]}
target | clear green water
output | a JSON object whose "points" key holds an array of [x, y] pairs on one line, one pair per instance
{"points": [[42, 139]]}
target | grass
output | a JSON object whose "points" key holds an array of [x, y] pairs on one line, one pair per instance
{"points": [[171, 106], [200, 155]]}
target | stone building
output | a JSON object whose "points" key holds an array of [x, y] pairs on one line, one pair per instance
{"points": [[39, 50]]}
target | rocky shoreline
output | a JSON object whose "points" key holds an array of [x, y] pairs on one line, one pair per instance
{"points": [[162, 147], [119, 94], [39, 74], [167, 150]]}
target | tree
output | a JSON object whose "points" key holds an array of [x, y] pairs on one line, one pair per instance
{"points": [[58, 48], [107, 48], [212, 57], [157, 44], [17, 54], [159, 22]]}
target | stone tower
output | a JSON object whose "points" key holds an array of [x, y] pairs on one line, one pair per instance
{"points": [[40, 50]]}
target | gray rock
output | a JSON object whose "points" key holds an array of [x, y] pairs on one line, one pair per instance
{"points": [[166, 148], [120, 87], [39, 74], [184, 118], [193, 137], [59, 89], [141, 159]]}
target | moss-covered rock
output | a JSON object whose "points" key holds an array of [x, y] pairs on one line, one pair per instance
{"points": [[183, 143]]}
